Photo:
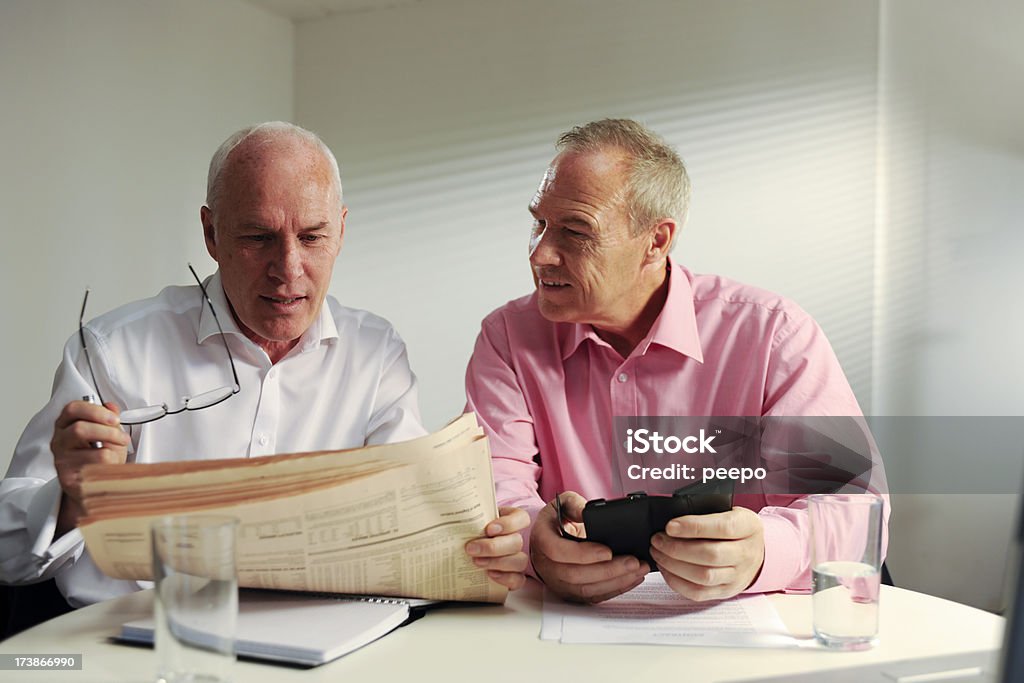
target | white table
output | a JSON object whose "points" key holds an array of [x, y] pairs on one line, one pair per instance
{"points": [[494, 643]]}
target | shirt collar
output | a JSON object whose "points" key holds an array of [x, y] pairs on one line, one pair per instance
{"points": [[575, 334], [323, 328], [674, 328]]}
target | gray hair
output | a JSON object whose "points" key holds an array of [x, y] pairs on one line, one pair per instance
{"points": [[271, 130], [658, 185]]}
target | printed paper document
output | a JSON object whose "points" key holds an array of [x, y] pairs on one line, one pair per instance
{"points": [[653, 613]]}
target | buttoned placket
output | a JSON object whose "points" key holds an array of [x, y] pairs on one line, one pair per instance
{"points": [[263, 440], [623, 389]]}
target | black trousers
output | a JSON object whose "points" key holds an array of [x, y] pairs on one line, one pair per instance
{"points": [[22, 607]]}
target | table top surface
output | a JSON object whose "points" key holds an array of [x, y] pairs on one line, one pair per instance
{"points": [[501, 643]]}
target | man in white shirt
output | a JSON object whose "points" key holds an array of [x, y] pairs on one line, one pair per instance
{"points": [[271, 363]]}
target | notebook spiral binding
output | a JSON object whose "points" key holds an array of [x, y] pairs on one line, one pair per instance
{"points": [[376, 599]]}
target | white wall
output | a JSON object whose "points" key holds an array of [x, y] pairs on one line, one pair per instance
{"points": [[950, 319], [443, 115], [110, 112]]}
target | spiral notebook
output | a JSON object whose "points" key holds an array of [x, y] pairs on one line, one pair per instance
{"points": [[302, 629]]}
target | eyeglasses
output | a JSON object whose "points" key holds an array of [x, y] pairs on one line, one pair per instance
{"points": [[562, 520], [137, 416]]}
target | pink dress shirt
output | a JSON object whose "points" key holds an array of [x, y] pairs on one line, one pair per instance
{"points": [[546, 395]]}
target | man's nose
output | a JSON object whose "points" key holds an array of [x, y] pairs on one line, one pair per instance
{"points": [[287, 263], [543, 251]]}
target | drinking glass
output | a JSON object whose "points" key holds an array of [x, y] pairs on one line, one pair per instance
{"points": [[196, 605], [846, 556]]}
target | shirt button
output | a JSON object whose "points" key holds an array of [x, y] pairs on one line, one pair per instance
{"points": [[623, 377], [263, 439]]}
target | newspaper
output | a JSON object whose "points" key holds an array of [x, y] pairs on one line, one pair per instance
{"points": [[383, 520]]}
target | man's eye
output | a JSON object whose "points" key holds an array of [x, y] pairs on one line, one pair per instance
{"points": [[574, 233], [256, 238], [311, 238]]}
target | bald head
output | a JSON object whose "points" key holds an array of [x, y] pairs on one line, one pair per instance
{"points": [[275, 142]]}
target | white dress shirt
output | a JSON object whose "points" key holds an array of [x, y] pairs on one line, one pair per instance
{"points": [[346, 383]]}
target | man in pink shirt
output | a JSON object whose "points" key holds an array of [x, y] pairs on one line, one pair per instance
{"points": [[617, 328]]}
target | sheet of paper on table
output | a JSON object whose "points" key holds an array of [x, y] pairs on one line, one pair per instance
{"points": [[652, 613]]}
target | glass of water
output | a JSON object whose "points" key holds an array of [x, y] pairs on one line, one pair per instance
{"points": [[196, 605], [846, 557]]}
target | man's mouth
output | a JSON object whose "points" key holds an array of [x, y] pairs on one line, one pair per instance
{"points": [[282, 300], [551, 282]]}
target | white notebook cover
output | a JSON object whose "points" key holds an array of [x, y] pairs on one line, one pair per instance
{"points": [[299, 629]]}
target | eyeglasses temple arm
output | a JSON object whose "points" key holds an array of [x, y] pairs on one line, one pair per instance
{"points": [[85, 348], [231, 359]]}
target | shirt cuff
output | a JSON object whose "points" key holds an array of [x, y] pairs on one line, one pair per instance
{"points": [[41, 523], [783, 553]]}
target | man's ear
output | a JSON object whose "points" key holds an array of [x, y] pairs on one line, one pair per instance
{"points": [[209, 233], [661, 239], [341, 237]]}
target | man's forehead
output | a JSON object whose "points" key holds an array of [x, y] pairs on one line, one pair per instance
{"points": [[273, 171], [271, 145], [546, 182], [276, 156], [598, 174]]}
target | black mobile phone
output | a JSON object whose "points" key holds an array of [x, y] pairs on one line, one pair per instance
{"points": [[626, 524]]}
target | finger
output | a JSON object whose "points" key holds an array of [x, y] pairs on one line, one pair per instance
{"points": [[696, 592], [74, 460], [510, 520], [511, 580], [509, 563], [600, 572], [544, 539], [89, 412], [707, 553], [80, 434], [735, 524], [573, 552], [605, 590], [495, 547], [70, 463], [694, 573], [572, 506]]}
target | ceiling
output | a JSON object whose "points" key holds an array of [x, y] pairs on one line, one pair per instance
{"points": [[304, 10]]}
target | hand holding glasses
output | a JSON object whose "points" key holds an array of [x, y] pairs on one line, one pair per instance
{"points": [[137, 416]]}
